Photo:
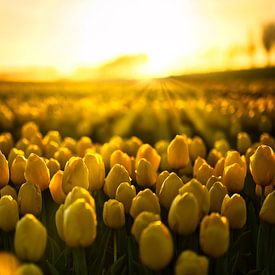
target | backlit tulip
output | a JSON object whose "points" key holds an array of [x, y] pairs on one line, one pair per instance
{"points": [[62, 155], [156, 246], [75, 174], [9, 214], [147, 152], [234, 208], [53, 166], [22, 144], [197, 148], [219, 167], [115, 177], [33, 149], [118, 157], [243, 142], [70, 144], [51, 148], [204, 172], [267, 212], [82, 145], [4, 171], [142, 221], [169, 189], [212, 180], [160, 179], [55, 187], [197, 164], [145, 174], [37, 172], [214, 235], [8, 190], [189, 263], [106, 151], [184, 214], [125, 194], [8, 263], [6, 143], [29, 129], [234, 177], [29, 269], [145, 200], [59, 217], [113, 214], [213, 156], [177, 152], [17, 170], [30, 238], [216, 194]]}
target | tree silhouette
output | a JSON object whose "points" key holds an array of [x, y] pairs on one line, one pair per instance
{"points": [[268, 40]]}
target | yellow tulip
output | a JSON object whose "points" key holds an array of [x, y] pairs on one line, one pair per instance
{"points": [[6, 143], [145, 174], [9, 214], [17, 170], [197, 164], [55, 188], [113, 214], [8, 190], [82, 145], [145, 200], [96, 168], [266, 139], [53, 166], [243, 142], [62, 155], [118, 157], [37, 172], [214, 235], [106, 151], [4, 168], [13, 154], [169, 189], [177, 152], [50, 149], [59, 217], [22, 144], [115, 177], [37, 140], [219, 167], [79, 193], [204, 172], [234, 208], [160, 179], [79, 224], [133, 144], [142, 221], [211, 181], [70, 144], [189, 263], [29, 269], [222, 146], [29, 199], [200, 192], [233, 157], [196, 148], [147, 152], [156, 246], [262, 165], [8, 263], [75, 174], [29, 129], [30, 238], [268, 209], [161, 146], [213, 156], [184, 214], [33, 149], [52, 136], [234, 178], [125, 194], [216, 194]]}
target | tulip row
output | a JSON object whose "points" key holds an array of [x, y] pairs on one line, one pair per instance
{"points": [[127, 207]]}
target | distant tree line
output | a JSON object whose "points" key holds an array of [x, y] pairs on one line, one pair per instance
{"points": [[268, 39]]}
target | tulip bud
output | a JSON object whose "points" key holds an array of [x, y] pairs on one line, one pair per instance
{"points": [[82, 145], [147, 152], [53, 166], [37, 172], [52, 136], [70, 144], [197, 164], [22, 144], [262, 165], [33, 149], [234, 209], [204, 172], [141, 222], [29, 199], [29, 269], [234, 157], [75, 174], [160, 179], [169, 189], [8, 263], [196, 148], [266, 139], [219, 167], [55, 187], [243, 142], [156, 246], [125, 194], [4, 168], [17, 170], [213, 156], [29, 129], [268, 209], [113, 214], [189, 262], [161, 146], [184, 214], [6, 143], [200, 192], [79, 224], [145, 200], [8, 190], [145, 174], [30, 238], [8, 213], [59, 217], [233, 178], [115, 177], [133, 144], [96, 168], [211, 181], [106, 151], [216, 194], [38, 140], [177, 152], [214, 235], [222, 146], [63, 155], [118, 157], [13, 154], [79, 193], [50, 149]]}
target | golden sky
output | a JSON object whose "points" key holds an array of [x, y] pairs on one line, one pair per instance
{"points": [[176, 35]]}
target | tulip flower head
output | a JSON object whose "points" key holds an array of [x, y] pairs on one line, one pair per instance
{"points": [[113, 214]]}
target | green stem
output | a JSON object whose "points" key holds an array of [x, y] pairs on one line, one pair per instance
{"points": [[115, 246], [79, 261]]}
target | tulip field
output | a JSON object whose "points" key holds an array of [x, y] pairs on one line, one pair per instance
{"points": [[162, 176]]}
